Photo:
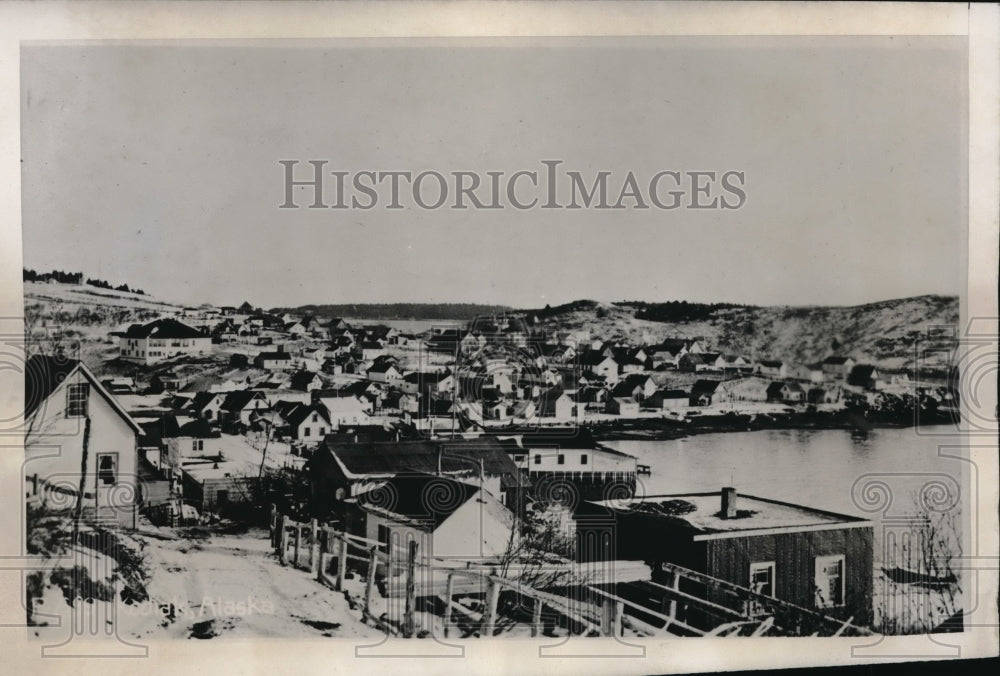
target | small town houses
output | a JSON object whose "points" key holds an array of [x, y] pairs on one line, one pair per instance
{"points": [[304, 377]]}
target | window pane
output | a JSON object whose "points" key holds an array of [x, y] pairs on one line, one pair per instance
{"points": [[76, 400]]}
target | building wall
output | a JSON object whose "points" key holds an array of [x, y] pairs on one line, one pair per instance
{"points": [[205, 494], [60, 438], [180, 449], [794, 555], [479, 528], [151, 350], [597, 460], [475, 530], [316, 430]]}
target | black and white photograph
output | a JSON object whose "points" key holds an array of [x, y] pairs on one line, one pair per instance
{"points": [[584, 343]]}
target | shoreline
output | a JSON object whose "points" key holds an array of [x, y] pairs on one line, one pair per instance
{"points": [[660, 429]]}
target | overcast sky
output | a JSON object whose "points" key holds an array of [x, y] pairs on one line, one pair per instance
{"points": [[158, 166]]}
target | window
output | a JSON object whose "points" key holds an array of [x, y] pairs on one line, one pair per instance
{"points": [[561, 459], [583, 458], [762, 578], [538, 459], [197, 445], [761, 582], [829, 581], [76, 400], [107, 468], [383, 537], [305, 431]]}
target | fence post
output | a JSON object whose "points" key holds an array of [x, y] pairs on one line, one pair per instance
{"points": [[370, 583], [411, 595], [314, 550], [675, 581], [611, 617], [279, 528], [341, 561], [536, 618], [298, 545], [490, 619], [448, 594], [273, 521], [283, 547]]}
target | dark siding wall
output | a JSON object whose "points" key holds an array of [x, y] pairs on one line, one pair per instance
{"points": [[794, 555], [636, 537]]}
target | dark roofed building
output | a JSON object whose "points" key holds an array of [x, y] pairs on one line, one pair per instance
{"points": [[163, 328], [787, 392], [445, 517], [812, 558], [273, 361], [702, 392], [346, 469], [239, 406], [866, 376], [161, 339], [308, 423], [305, 381]]}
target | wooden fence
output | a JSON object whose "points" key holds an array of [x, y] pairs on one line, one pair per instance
{"points": [[600, 602]]}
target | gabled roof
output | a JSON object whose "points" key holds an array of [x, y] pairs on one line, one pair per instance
{"points": [[301, 379], [298, 415], [426, 377], [863, 372], [284, 408], [270, 356], [593, 358], [341, 404], [198, 429], [389, 458], [425, 500], [163, 328], [704, 387], [44, 374], [201, 400], [775, 389], [382, 367], [671, 394], [237, 401]]}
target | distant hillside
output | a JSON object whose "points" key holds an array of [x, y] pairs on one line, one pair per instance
{"points": [[455, 311], [87, 309], [884, 333]]}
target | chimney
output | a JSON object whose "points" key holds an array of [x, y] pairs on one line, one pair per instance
{"points": [[729, 498]]}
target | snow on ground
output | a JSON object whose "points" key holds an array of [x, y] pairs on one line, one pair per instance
{"points": [[92, 295], [219, 585]]}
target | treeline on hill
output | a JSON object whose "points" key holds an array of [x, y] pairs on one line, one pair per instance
{"points": [[676, 310], [75, 278], [452, 311], [555, 311]]}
